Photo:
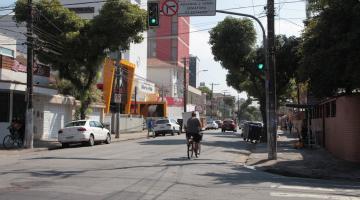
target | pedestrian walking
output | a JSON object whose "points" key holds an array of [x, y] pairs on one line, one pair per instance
{"points": [[290, 126], [150, 127]]}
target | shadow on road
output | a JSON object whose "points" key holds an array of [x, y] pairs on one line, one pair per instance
{"points": [[164, 142], [64, 158]]}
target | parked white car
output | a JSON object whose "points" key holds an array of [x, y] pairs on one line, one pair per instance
{"points": [[164, 126], [83, 131], [212, 125]]}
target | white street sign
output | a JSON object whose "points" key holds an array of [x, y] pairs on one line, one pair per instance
{"points": [[197, 7], [117, 98]]}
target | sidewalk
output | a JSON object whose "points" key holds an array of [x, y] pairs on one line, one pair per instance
{"points": [[42, 145], [306, 163]]}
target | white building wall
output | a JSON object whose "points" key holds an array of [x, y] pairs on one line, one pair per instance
{"points": [[137, 53], [163, 78]]}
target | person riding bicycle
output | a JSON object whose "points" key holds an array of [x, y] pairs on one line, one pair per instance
{"points": [[193, 128]]}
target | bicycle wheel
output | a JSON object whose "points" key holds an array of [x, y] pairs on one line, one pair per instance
{"points": [[190, 149], [199, 149], [18, 143], [8, 142]]}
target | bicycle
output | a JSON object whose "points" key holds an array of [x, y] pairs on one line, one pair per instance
{"points": [[193, 147], [12, 140]]}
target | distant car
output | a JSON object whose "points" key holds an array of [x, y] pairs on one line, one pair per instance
{"points": [[211, 125], [228, 125], [219, 123], [164, 126], [83, 131]]}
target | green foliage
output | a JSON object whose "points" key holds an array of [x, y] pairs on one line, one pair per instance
{"points": [[248, 112], [233, 44], [77, 47], [206, 90], [331, 49]]}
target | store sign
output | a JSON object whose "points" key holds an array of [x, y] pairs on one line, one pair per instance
{"points": [[146, 87], [197, 8]]}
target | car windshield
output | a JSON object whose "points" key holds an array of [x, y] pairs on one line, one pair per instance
{"points": [[164, 121], [228, 122], [77, 123]]}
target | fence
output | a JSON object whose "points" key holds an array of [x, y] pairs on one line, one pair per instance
{"points": [[128, 123]]}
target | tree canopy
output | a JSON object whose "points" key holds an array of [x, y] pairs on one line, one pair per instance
{"points": [[77, 47], [330, 48], [233, 44]]}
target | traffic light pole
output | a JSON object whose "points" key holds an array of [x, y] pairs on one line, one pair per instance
{"points": [[270, 76], [185, 86]]}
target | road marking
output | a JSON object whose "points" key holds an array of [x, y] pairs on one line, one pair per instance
{"points": [[313, 196], [305, 188]]}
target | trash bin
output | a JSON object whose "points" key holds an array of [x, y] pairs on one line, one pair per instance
{"points": [[252, 132]]}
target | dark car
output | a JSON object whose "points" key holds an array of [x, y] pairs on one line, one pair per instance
{"points": [[228, 125], [219, 123]]}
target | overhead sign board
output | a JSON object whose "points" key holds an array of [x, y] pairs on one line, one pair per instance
{"points": [[197, 8]]}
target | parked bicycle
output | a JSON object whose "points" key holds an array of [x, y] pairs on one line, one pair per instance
{"points": [[14, 139]]}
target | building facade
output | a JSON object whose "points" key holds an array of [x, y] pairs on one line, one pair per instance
{"points": [[168, 47]]}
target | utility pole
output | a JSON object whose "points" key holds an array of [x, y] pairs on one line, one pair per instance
{"points": [[238, 115], [211, 98], [271, 111], [29, 136], [185, 86]]}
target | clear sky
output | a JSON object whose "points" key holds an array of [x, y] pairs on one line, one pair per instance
{"points": [[289, 17]]}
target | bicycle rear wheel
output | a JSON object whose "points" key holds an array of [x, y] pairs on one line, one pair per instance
{"points": [[190, 149], [8, 142]]}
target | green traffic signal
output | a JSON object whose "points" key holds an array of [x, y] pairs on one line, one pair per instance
{"points": [[260, 66], [153, 14], [153, 21]]}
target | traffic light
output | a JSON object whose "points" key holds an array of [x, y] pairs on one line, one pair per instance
{"points": [[260, 66], [153, 14]]}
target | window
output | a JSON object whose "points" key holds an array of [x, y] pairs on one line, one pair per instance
{"points": [[98, 124], [327, 110], [92, 124], [164, 121], [7, 52], [333, 109], [5, 107], [83, 10], [77, 123], [174, 49], [19, 106]]}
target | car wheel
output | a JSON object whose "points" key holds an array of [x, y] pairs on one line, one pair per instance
{"points": [[108, 139], [64, 145], [91, 141]]}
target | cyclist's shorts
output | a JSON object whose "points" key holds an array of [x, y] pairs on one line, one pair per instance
{"points": [[197, 136]]}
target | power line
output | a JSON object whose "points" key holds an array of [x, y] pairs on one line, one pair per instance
{"points": [[49, 21]]}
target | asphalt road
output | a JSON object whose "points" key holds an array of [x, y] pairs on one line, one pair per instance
{"points": [[156, 168]]}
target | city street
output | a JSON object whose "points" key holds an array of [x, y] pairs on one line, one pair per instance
{"points": [[156, 168]]}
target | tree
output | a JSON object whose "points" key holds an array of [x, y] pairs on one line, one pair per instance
{"points": [[77, 47], [330, 49], [233, 44], [206, 90]]}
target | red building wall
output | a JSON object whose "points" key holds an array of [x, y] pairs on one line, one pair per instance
{"points": [[342, 132], [164, 38]]}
